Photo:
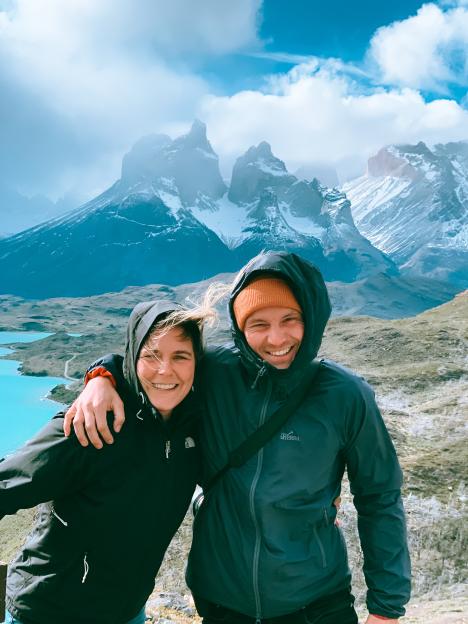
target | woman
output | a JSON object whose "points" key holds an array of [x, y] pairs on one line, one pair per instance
{"points": [[97, 546]]}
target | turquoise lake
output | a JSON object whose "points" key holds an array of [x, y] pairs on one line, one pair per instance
{"points": [[24, 408]]}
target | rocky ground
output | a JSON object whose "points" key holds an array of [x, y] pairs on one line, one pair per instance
{"points": [[418, 367]]}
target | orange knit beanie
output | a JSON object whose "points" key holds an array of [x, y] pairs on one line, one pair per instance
{"points": [[263, 293]]}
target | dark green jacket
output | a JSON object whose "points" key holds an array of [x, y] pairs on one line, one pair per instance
{"points": [[265, 543], [107, 516]]}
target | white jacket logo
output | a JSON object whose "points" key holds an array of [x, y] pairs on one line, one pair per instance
{"points": [[291, 435], [189, 442]]}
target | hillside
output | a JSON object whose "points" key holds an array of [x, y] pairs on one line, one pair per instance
{"points": [[418, 367]]}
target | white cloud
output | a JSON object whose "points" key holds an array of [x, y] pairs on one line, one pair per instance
{"points": [[426, 51], [82, 80], [313, 114], [113, 70]]}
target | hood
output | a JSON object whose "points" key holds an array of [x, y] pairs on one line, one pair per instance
{"points": [[308, 286], [139, 324]]}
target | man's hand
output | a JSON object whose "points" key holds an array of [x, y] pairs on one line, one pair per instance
{"points": [[337, 503], [372, 619], [89, 413]]}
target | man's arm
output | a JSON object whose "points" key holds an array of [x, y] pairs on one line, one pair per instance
{"points": [[88, 414], [375, 478]]}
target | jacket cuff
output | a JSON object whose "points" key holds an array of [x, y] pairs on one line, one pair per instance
{"points": [[99, 371]]}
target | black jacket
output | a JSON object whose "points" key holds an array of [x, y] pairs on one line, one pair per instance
{"points": [[96, 547]]}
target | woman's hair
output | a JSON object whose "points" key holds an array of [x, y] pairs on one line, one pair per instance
{"points": [[191, 321]]}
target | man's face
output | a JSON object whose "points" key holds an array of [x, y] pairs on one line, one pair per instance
{"points": [[275, 334]]}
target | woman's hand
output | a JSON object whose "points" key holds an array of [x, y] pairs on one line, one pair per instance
{"points": [[88, 414], [372, 619]]}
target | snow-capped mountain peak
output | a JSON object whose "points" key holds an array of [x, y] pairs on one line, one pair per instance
{"points": [[257, 170], [413, 205], [170, 219]]}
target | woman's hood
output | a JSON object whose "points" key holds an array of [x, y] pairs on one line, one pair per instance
{"points": [[308, 286], [139, 324]]}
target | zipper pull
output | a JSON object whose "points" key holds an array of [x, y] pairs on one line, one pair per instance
{"points": [[260, 374], [168, 448]]}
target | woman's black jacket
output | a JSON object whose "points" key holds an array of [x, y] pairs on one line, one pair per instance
{"points": [[96, 547]]}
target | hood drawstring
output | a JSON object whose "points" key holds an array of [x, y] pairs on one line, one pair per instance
{"points": [[85, 568], [261, 372], [140, 411]]}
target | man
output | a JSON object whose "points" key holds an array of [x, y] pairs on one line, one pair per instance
{"points": [[265, 545]]}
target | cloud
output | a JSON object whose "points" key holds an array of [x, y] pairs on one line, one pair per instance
{"points": [[313, 113], [426, 51], [86, 79], [81, 81]]}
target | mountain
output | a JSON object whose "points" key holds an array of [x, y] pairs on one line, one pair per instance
{"points": [[412, 204], [171, 219], [269, 208], [18, 212]]}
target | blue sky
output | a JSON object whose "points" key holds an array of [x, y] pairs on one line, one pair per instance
{"points": [[323, 82], [339, 29]]}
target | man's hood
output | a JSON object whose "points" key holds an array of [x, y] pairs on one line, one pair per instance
{"points": [[308, 286], [141, 320]]}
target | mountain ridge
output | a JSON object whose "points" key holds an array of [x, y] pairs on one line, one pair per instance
{"points": [[170, 218], [412, 204]]}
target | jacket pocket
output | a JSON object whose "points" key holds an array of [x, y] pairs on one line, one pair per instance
{"points": [[321, 548]]}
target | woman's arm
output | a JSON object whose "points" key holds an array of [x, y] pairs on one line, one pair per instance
{"points": [[47, 467]]}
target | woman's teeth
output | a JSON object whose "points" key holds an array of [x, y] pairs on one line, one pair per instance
{"points": [[164, 386]]}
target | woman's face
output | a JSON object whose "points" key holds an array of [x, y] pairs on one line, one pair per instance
{"points": [[166, 369]]}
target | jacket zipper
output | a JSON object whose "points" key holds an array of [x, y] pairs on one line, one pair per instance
{"points": [[256, 557], [167, 450]]}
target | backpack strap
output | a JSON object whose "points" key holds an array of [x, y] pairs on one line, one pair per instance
{"points": [[263, 434]]}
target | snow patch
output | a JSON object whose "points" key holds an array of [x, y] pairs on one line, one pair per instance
{"points": [[225, 218]]}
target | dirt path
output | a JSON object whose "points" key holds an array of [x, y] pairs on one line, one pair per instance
{"points": [[67, 363]]}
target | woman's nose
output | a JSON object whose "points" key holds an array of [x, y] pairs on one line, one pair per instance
{"points": [[164, 367]]}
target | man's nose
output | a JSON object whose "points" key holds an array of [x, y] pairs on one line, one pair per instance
{"points": [[276, 335]]}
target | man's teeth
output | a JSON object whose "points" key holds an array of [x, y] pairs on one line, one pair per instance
{"points": [[164, 386], [282, 352]]}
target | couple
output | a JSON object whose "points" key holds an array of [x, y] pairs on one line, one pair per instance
{"points": [[265, 545]]}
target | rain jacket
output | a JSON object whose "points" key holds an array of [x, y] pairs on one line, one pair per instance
{"points": [[265, 543], [98, 543]]}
